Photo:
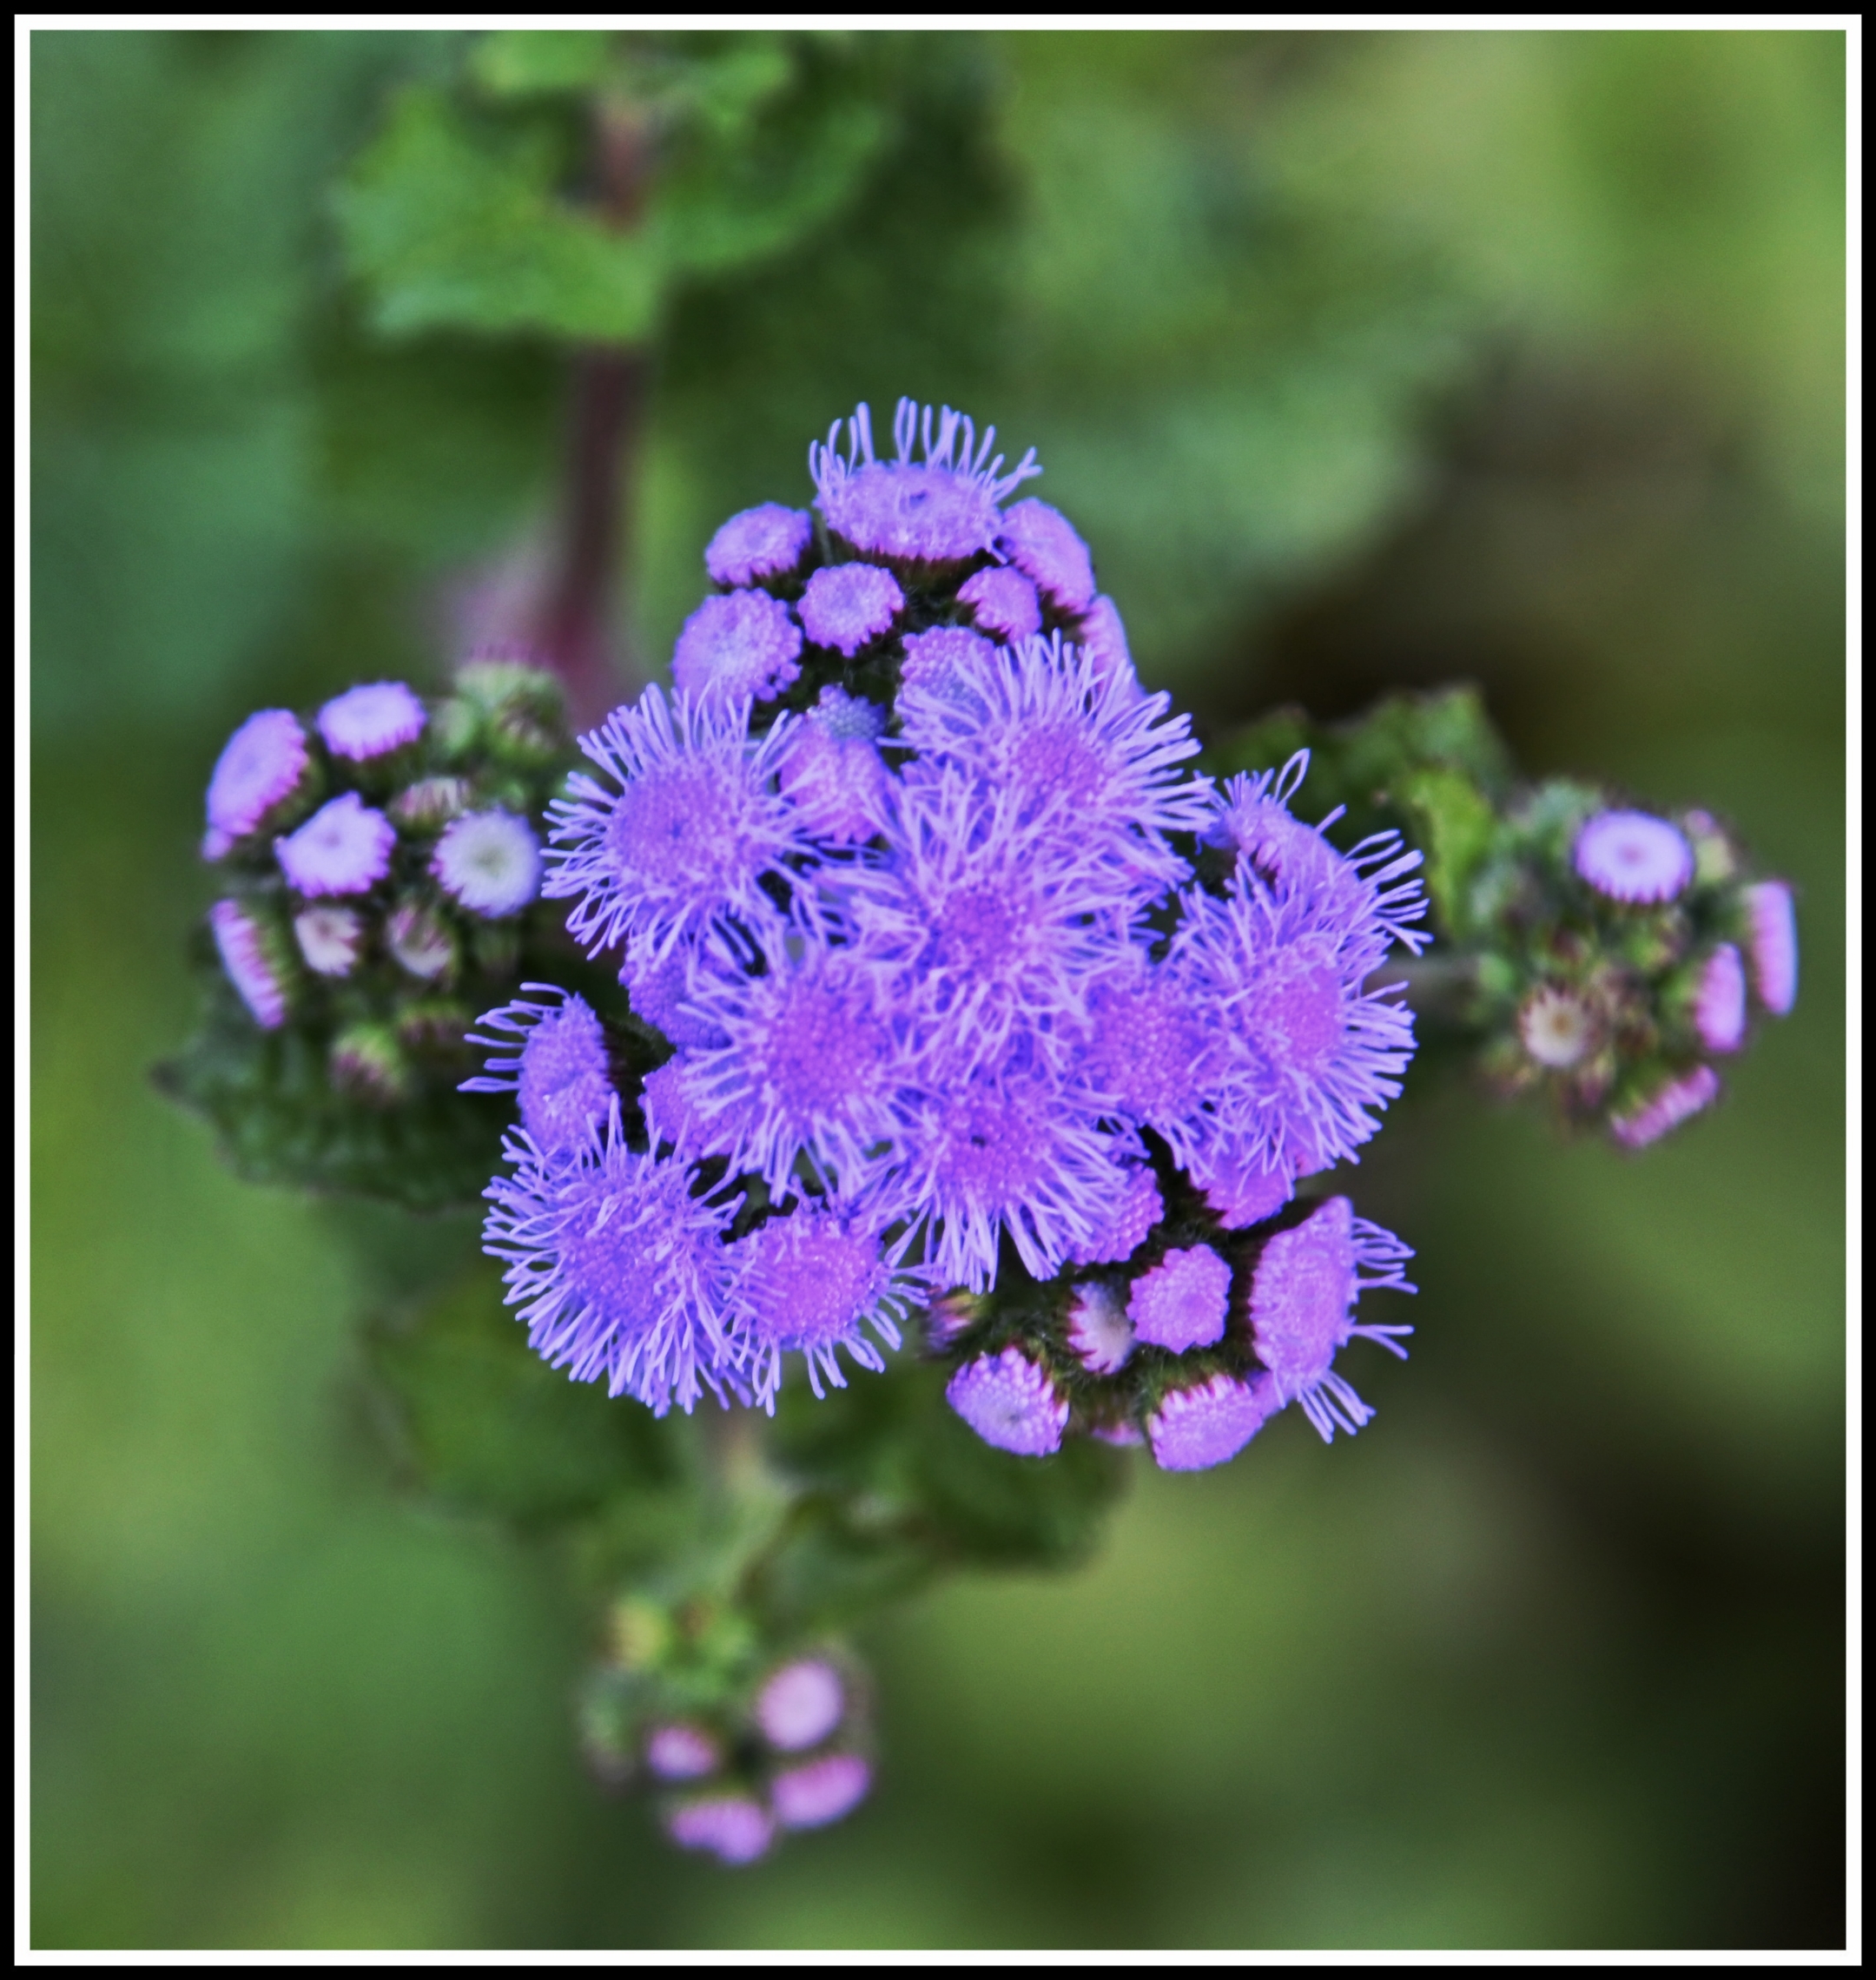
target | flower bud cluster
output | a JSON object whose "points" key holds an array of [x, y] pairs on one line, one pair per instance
{"points": [[969, 983], [736, 1746], [1621, 957]]}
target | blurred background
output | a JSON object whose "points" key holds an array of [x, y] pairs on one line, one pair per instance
{"points": [[1361, 360]]}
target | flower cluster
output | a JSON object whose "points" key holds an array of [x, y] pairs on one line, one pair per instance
{"points": [[969, 982], [1626, 953]]}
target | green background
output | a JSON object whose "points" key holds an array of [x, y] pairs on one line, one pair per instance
{"points": [[1362, 360]]}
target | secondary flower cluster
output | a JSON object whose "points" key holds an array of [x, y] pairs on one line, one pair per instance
{"points": [[1625, 954], [969, 984], [377, 861]]}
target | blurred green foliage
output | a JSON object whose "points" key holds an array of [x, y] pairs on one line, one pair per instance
{"points": [[1363, 360]]}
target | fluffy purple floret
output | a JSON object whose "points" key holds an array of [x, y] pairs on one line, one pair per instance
{"points": [[1302, 1308], [1240, 1186], [618, 1271], [762, 542], [744, 643], [1664, 1109], [1104, 636], [372, 721], [1010, 1403], [243, 951], [1150, 1054], [344, 847], [561, 1074], [823, 1790], [933, 659], [329, 939], [1720, 1002], [1633, 857], [490, 861], [1099, 1330], [1774, 941], [937, 510], [730, 1827], [1196, 1428], [659, 987], [812, 1284], [833, 773], [1042, 543], [1003, 602], [682, 1752], [801, 1704], [1183, 1301], [690, 835], [1135, 1212], [847, 604], [259, 767]]}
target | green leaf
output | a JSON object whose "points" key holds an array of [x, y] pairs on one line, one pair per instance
{"points": [[454, 223], [489, 1428], [532, 62], [1455, 827]]}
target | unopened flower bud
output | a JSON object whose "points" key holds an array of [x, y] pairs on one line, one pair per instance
{"points": [[367, 1060], [1558, 1029], [421, 941], [254, 956], [431, 802], [329, 939]]}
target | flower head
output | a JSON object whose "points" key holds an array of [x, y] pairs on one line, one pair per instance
{"points": [[561, 1074], [1720, 1000], [1182, 1302], [1129, 1217], [260, 768], [1774, 942], [833, 773], [420, 940], [1558, 1029], [821, 1792], [938, 509], [1010, 1401], [242, 945], [1633, 857], [689, 838], [1149, 1053], [1099, 1330], [1210, 1423], [766, 541], [1238, 1184], [801, 1704], [848, 605], [933, 659], [1302, 1308], [619, 1271], [329, 939], [1042, 543], [372, 721], [1103, 636], [682, 1752], [1665, 1109], [490, 861], [1003, 602], [744, 643], [728, 1826], [344, 847]]}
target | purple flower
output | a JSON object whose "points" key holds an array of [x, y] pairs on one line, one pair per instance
{"points": [[562, 1073], [373, 721], [1041, 543], [730, 1826], [682, 1752], [1557, 1028], [490, 861], [259, 769], [1667, 1108], [1093, 760], [1183, 1301], [1003, 602], [244, 950], [763, 542], [932, 660], [847, 604], [744, 643], [1720, 1002], [658, 985], [1150, 1053], [1010, 1403], [1774, 941], [811, 1284], [1302, 1300], [937, 510], [1238, 1184], [1196, 1428], [1103, 639], [329, 939], [801, 1704], [833, 773], [688, 840], [1099, 1330], [618, 1270], [1132, 1214], [1633, 857], [821, 1792], [344, 847]]}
